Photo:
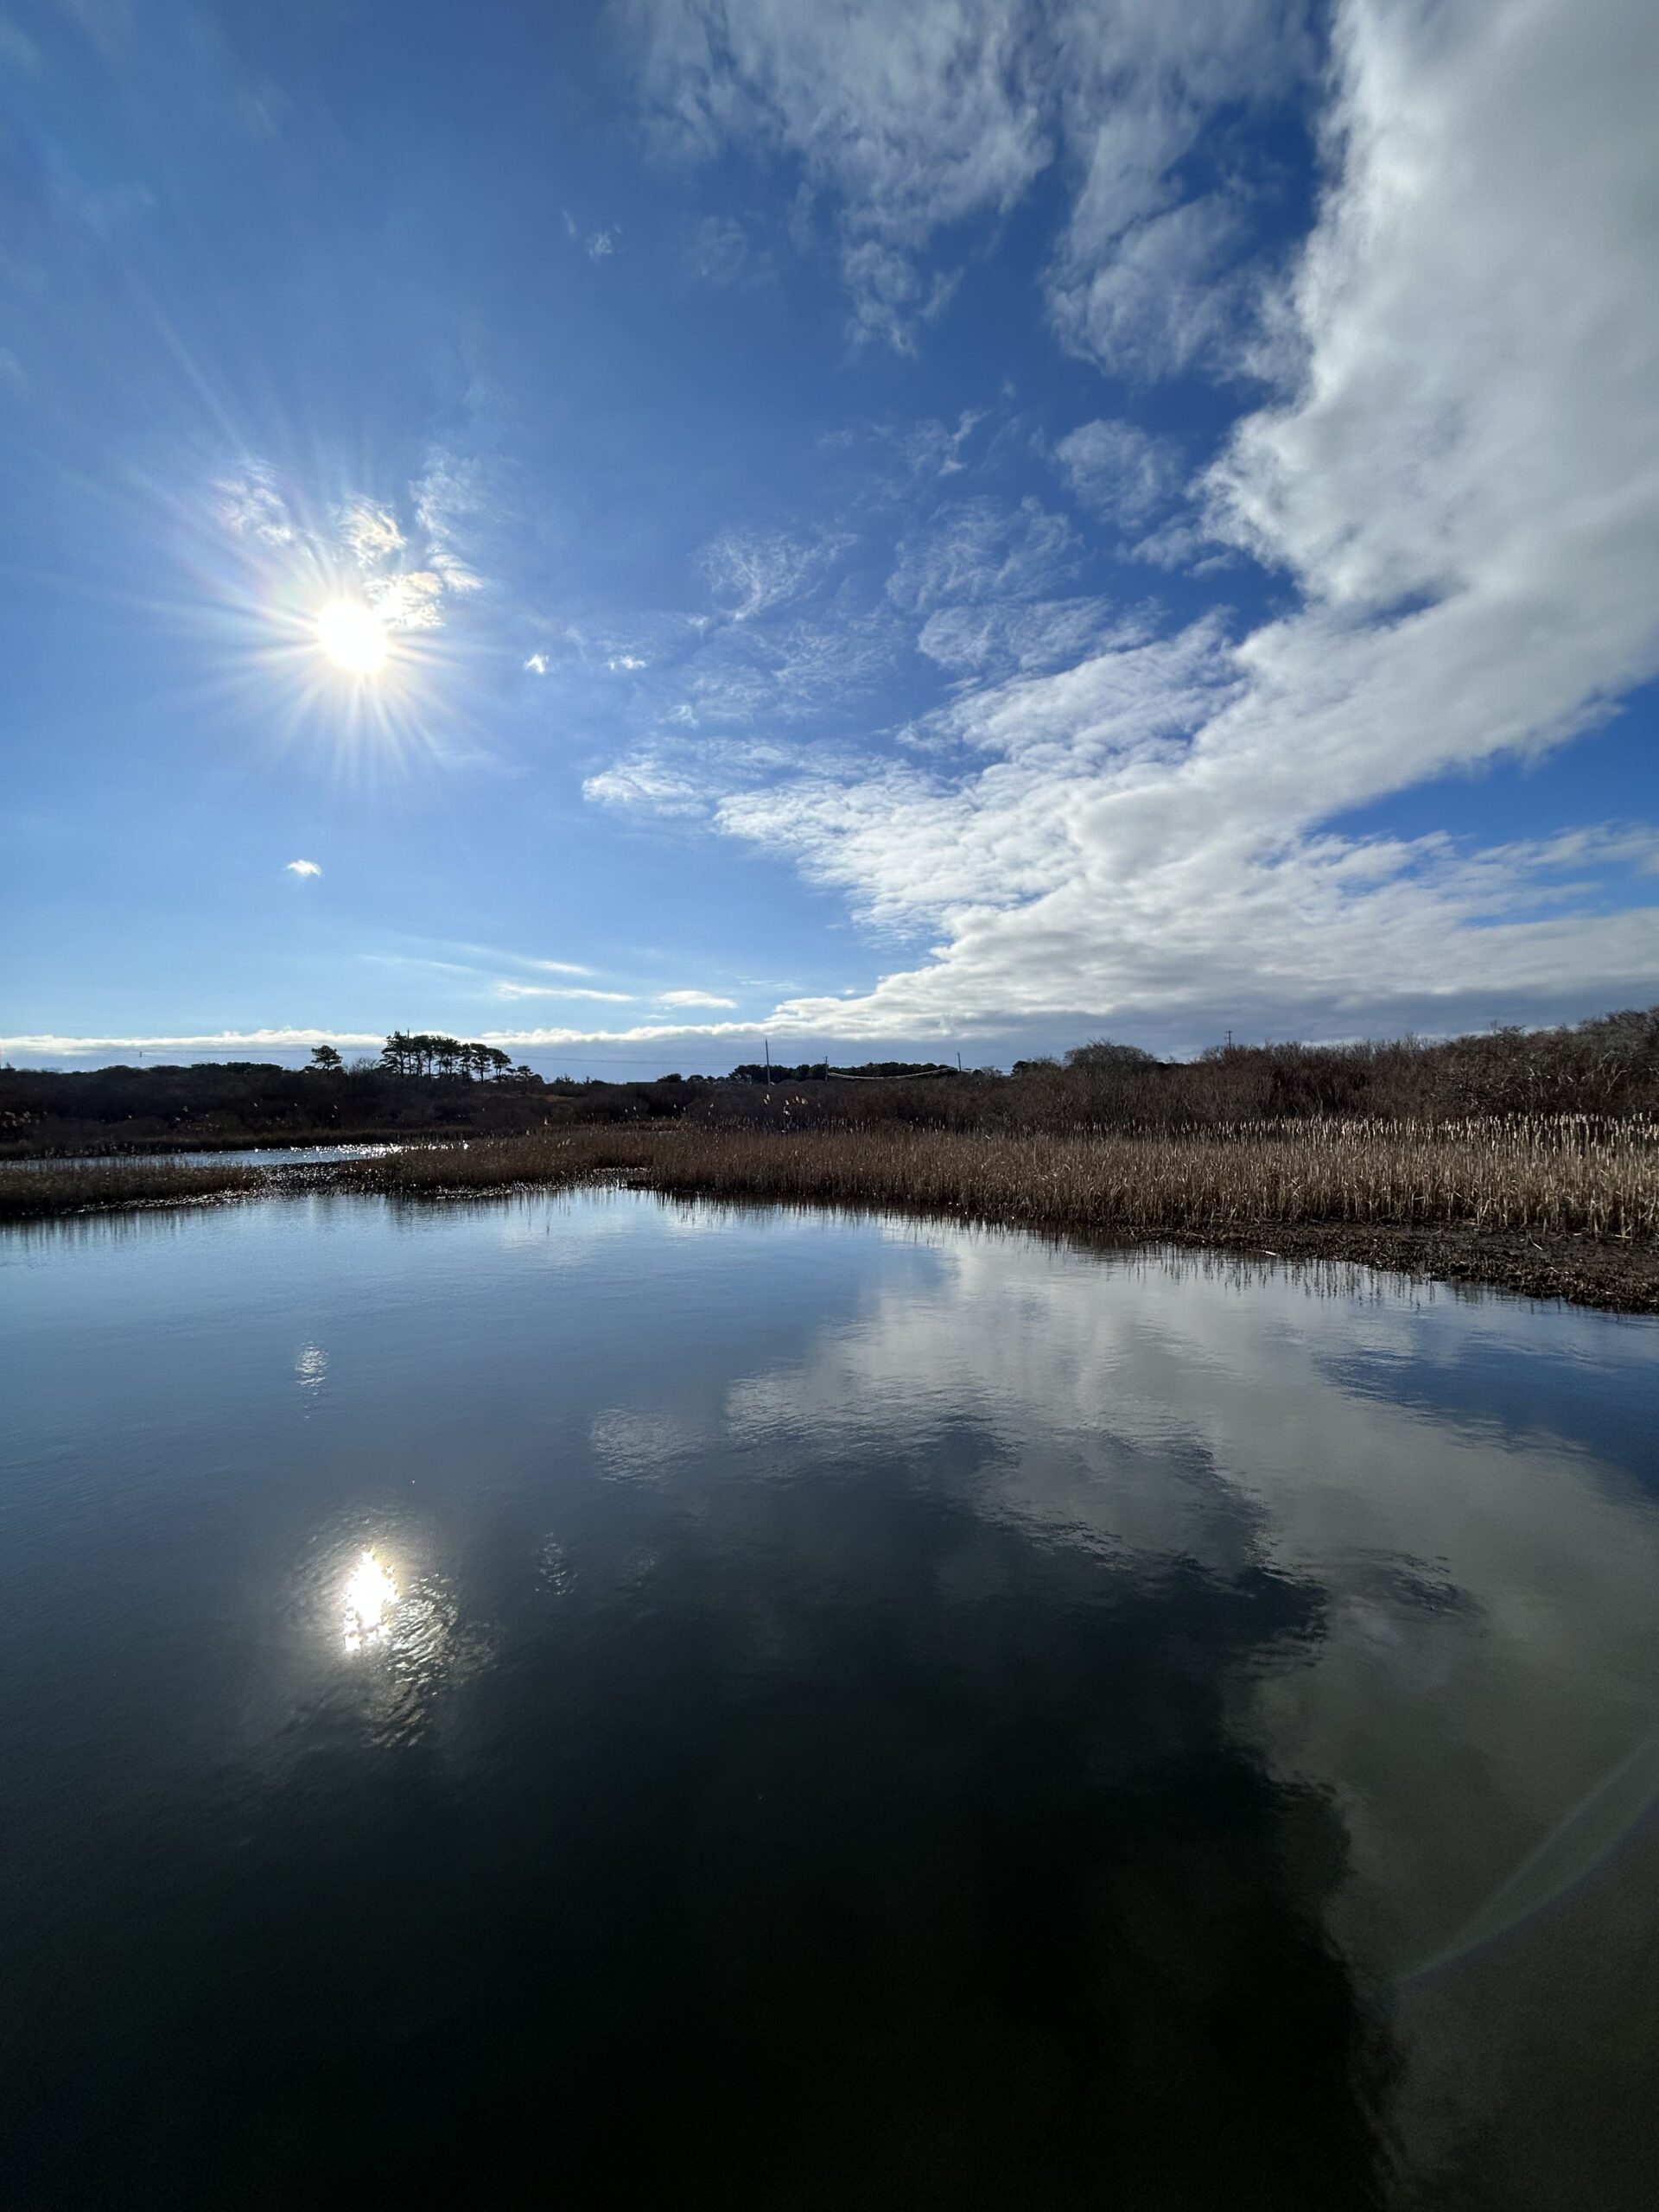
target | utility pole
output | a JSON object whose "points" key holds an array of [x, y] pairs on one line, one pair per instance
{"points": [[767, 1046]]}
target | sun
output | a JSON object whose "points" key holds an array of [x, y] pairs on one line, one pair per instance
{"points": [[353, 636]]}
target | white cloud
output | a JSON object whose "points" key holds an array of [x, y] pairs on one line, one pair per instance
{"points": [[537, 665], [370, 532], [651, 783], [911, 450], [404, 596], [1001, 639], [913, 118], [679, 1036], [301, 867], [693, 998], [405, 575], [1162, 296], [668, 1035], [412, 600], [913, 121], [1462, 485], [217, 1040], [1119, 471], [601, 245], [792, 668], [793, 641], [1180, 543], [455, 498], [984, 549], [1148, 276], [252, 504], [750, 572], [990, 820], [689, 776]]}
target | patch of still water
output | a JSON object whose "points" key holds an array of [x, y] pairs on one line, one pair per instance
{"points": [[584, 1700], [289, 1155]]}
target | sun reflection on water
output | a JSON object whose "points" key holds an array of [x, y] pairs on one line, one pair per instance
{"points": [[371, 1594]]}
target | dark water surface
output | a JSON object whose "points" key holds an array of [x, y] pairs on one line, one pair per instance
{"points": [[871, 1716]]}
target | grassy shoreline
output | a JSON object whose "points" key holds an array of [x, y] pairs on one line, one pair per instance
{"points": [[1552, 1207]]}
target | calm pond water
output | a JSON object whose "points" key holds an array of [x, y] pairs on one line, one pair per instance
{"points": [[870, 1715]]}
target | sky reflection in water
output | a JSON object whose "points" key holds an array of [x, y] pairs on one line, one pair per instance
{"points": [[811, 1712]]}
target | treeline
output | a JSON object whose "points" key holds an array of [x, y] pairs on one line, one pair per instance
{"points": [[406, 1054], [430, 1086], [230, 1103], [769, 1072], [1608, 1067]]}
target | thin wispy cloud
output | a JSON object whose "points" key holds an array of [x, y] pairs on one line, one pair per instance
{"points": [[1118, 472], [505, 989], [693, 998], [460, 956], [457, 498], [250, 504], [359, 546], [720, 251], [984, 549], [302, 867], [911, 123], [749, 573], [371, 532]]}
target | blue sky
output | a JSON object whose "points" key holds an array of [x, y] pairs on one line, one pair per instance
{"points": [[961, 527]]}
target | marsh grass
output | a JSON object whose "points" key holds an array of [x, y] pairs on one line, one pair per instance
{"points": [[32, 1193], [1556, 1175]]}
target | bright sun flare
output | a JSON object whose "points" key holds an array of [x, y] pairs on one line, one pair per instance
{"points": [[353, 636]]}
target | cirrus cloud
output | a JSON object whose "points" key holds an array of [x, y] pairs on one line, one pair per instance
{"points": [[910, 123]]}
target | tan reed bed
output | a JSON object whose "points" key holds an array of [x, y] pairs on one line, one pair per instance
{"points": [[37, 1193], [1564, 1176], [1546, 1177]]}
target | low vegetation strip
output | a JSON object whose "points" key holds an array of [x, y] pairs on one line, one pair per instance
{"points": [[28, 1193], [1558, 1178], [1558, 1204]]}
